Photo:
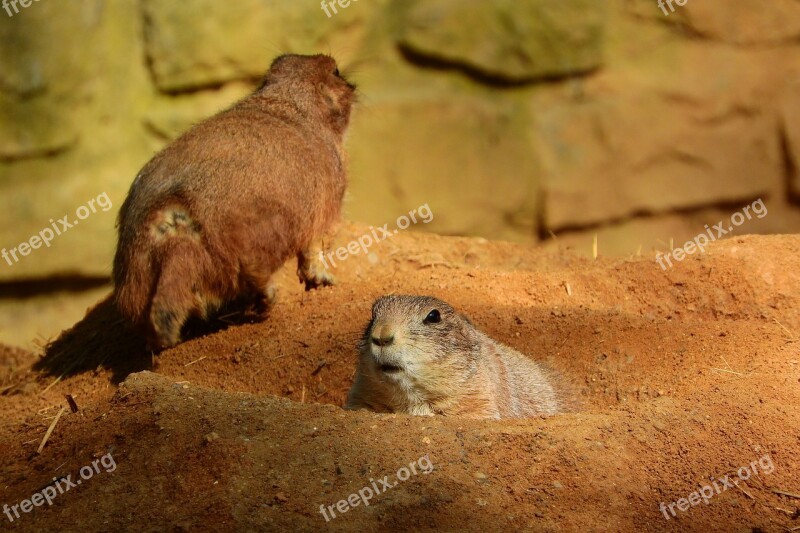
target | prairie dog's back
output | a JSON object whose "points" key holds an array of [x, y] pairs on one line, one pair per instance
{"points": [[524, 386], [210, 218]]}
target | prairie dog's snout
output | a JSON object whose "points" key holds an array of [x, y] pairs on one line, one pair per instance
{"points": [[384, 342], [419, 356], [383, 334]]}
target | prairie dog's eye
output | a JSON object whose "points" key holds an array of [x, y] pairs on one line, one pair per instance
{"points": [[433, 317]]}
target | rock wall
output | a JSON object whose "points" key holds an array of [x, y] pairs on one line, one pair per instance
{"points": [[511, 119]]}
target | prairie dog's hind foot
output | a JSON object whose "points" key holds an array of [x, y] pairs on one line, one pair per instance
{"points": [[266, 299], [166, 328], [311, 271]]}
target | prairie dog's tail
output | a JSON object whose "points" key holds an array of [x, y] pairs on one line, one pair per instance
{"points": [[156, 273]]}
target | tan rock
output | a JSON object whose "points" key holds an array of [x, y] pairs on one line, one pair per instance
{"points": [[672, 139], [171, 116], [113, 89], [744, 21], [43, 76], [506, 40], [469, 159], [214, 42], [791, 129]]}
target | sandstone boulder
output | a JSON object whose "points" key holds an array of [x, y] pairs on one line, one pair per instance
{"points": [[507, 40], [689, 133], [215, 42], [473, 165], [791, 129], [43, 76]]}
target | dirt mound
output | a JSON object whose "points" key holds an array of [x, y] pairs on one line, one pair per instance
{"points": [[685, 376]]}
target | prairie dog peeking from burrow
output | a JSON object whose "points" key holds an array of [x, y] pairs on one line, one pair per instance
{"points": [[211, 217], [419, 356]]}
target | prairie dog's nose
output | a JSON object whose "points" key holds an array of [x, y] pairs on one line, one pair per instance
{"points": [[382, 335]]}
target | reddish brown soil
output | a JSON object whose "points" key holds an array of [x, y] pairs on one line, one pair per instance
{"points": [[684, 376]]}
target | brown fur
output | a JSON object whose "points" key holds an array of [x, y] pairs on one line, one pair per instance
{"points": [[446, 367], [212, 216]]}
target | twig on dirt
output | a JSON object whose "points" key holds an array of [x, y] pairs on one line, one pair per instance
{"points": [[50, 430], [791, 336], [195, 361], [224, 318], [320, 395], [741, 489], [565, 340], [52, 384], [277, 357], [320, 366], [786, 493], [435, 263], [795, 528], [303, 395], [41, 341], [103, 360], [126, 405], [594, 247], [6, 389], [73, 405], [421, 263], [569, 289], [729, 371], [64, 373]]}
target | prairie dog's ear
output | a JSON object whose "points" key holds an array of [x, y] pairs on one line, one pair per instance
{"points": [[329, 97]]}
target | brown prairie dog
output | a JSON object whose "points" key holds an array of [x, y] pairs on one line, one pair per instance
{"points": [[419, 356], [211, 217]]}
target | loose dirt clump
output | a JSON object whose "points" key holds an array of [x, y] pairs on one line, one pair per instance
{"points": [[683, 377]]}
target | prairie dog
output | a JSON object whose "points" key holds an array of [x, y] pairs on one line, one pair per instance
{"points": [[211, 217], [419, 356]]}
